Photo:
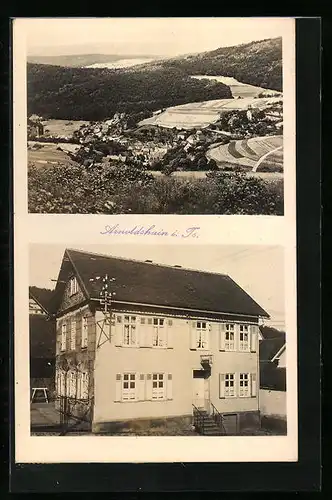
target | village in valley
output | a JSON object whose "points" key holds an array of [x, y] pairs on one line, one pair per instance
{"points": [[237, 136]]}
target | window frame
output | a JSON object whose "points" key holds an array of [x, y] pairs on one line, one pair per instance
{"points": [[129, 390], [132, 327], [73, 286], [230, 329], [159, 333], [199, 331], [63, 343], [245, 378], [160, 379], [244, 343], [230, 377], [84, 332]]}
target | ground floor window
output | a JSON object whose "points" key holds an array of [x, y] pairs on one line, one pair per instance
{"points": [[229, 385], [244, 390], [158, 386], [129, 386]]}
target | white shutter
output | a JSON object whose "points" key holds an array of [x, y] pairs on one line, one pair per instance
{"points": [[253, 337], [148, 386], [79, 385], [73, 334], [169, 334], [222, 329], [149, 332], [193, 336], [169, 386], [140, 386], [253, 385], [118, 387], [118, 331], [208, 335], [221, 385], [137, 331]]}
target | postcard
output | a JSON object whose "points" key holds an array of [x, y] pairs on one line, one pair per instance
{"points": [[155, 240]]}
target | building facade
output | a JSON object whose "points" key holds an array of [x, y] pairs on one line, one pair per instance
{"points": [[161, 352]]}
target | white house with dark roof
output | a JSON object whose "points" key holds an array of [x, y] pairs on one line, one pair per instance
{"points": [[173, 344]]}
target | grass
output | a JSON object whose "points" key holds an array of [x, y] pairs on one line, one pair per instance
{"points": [[63, 127], [48, 154]]}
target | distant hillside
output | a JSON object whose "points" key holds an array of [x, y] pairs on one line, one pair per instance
{"points": [[96, 94], [255, 63], [81, 60]]}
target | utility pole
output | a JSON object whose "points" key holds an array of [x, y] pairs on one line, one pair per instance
{"points": [[105, 294]]}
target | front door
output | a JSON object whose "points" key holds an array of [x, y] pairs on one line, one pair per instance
{"points": [[200, 388]]}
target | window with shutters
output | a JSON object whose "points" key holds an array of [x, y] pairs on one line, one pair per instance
{"points": [[244, 390], [73, 286], [229, 337], [201, 335], [72, 384], [73, 334], [230, 385], [84, 338], [158, 386], [244, 338], [84, 391], [158, 337], [129, 386], [63, 336], [129, 331]]}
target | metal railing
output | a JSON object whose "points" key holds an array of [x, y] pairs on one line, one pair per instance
{"points": [[217, 417], [199, 419]]}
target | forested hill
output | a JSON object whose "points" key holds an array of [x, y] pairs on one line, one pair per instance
{"points": [[255, 63], [96, 94]]}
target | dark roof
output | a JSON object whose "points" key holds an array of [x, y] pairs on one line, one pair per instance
{"points": [[42, 337], [272, 377], [43, 296], [161, 285], [268, 348]]}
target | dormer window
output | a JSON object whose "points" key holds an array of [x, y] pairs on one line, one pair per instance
{"points": [[73, 287]]}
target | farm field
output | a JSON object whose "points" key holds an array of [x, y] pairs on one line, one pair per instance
{"points": [[247, 152], [63, 127], [204, 113], [201, 175], [238, 89], [48, 154]]}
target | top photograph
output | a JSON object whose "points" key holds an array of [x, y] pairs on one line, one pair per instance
{"points": [[155, 116]]}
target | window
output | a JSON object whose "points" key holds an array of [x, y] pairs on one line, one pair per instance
{"points": [[229, 385], [158, 338], [201, 335], [73, 334], [73, 287], [84, 340], [129, 331], [63, 336], [84, 385], [158, 386], [71, 384], [129, 386], [229, 337], [244, 385], [244, 338]]}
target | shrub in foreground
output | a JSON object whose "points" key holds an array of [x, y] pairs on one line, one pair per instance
{"points": [[104, 189]]}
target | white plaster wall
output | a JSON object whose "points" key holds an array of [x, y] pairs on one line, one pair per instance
{"points": [[272, 402], [180, 361]]}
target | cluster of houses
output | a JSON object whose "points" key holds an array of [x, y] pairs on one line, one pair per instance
{"points": [[139, 341]]}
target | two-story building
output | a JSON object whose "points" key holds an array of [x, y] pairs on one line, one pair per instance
{"points": [[172, 342]]}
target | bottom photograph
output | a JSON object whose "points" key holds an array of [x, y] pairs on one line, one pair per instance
{"points": [[157, 340]]}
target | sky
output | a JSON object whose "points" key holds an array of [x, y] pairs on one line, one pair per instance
{"points": [[143, 36], [258, 269]]}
